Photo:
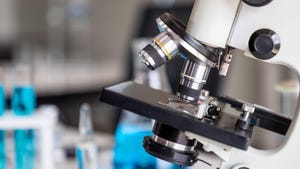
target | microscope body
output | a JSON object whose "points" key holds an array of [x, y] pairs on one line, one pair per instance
{"points": [[232, 23], [281, 17], [264, 29]]}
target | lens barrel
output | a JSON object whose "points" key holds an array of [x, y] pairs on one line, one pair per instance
{"points": [[193, 77], [162, 49]]}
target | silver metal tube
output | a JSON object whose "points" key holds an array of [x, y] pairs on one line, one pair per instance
{"points": [[193, 77], [162, 49]]}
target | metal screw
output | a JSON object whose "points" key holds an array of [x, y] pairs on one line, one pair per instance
{"points": [[248, 108]]}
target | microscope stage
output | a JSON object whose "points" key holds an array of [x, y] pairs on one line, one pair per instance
{"points": [[144, 101]]}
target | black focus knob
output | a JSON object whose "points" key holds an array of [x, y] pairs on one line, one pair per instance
{"points": [[264, 44], [257, 3]]}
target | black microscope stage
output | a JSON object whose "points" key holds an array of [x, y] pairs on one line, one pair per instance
{"points": [[144, 101]]}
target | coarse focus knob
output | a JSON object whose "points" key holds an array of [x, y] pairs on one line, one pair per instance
{"points": [[257, 3], [264, 44]]}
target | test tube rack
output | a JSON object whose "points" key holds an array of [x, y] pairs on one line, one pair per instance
{"points": [[43, 121]]}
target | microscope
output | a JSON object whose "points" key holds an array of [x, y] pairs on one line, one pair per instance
{"points": [[192, 126]]}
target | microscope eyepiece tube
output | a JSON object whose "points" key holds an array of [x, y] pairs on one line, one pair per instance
{"points": [[162, 49], [193, 77], [207, 29]]}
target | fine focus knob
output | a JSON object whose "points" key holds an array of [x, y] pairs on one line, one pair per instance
{"points": [[257, 3], [264, 44]]}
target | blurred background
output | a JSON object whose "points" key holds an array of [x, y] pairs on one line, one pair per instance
{"points": [[77, 47]]}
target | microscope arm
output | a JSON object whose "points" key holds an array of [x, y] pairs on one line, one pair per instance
{"points": [[281, 17]]}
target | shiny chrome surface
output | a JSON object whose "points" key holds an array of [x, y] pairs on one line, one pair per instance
{"points": [[185, 97], [147, 59], [163, 27], [167, 44], [248, 109], [194, 75], [164, 45], [159, 51], [173, 145], [223, 70]]}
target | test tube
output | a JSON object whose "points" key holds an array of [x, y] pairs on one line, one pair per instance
{"points": [[23, 104], [2, 132], [86, 149]]}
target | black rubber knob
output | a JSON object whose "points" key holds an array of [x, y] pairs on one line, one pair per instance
{"points": [[264, 44], [257, 3]]}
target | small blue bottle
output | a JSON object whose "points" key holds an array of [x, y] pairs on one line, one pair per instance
{"points": [[23, 104], [128, 151], [2, 132]]}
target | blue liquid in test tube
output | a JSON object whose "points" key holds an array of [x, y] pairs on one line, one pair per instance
{"points": [[23, 104], [2, 132], [23, 100]]}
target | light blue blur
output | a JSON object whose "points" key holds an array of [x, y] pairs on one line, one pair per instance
{"points": [[2, 132], [24, 149], [23, 104], [23, 100], [128, 150]]}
